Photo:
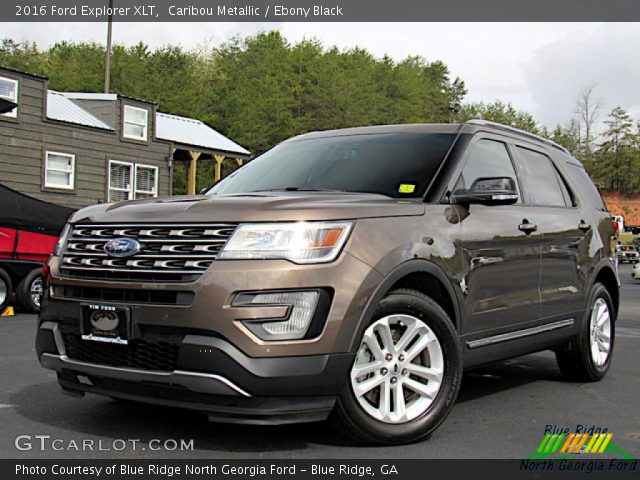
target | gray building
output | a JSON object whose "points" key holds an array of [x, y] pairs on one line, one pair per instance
{"points": [[77, 149]]}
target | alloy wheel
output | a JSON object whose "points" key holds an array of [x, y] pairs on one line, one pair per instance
{"points": [[600, 332], [398, 369]]}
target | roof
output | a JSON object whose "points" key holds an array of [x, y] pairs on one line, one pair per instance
{"points": [[382, 129], [112, 97], [187, 131], [470, 126], [532, 136], [27, 74], [180, 130], [63, 109]]}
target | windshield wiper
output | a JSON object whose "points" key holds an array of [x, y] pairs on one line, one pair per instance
{"points": [[302, 189], [299, 189]]}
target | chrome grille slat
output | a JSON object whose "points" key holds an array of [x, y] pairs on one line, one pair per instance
{"points": [[172, 249], [150, 240]]}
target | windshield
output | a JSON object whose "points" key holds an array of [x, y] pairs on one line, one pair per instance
{"points": [[399, 165]]}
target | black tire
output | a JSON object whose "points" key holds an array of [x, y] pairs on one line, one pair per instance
{"points": [[349, 416], [574, 359], [6, 290], [23, 291]]}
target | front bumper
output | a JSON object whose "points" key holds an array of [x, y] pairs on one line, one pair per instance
{"points": [[216, 365], [229, 386]]}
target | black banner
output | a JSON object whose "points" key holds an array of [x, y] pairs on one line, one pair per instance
{"points": [[608, 469], [318, 11]]}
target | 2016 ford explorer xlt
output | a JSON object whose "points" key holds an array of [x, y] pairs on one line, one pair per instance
{"points": [[351, 273]]}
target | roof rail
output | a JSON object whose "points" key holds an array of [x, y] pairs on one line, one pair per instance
{"points": [[524, 133]]}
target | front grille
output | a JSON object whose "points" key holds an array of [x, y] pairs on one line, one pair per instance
{"points": [[124, 295], [170, 252], [158, 353]]}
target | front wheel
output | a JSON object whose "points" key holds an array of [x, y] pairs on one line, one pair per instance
{"points": [[406, 375], [587, 357]]}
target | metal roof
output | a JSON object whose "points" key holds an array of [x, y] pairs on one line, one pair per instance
{"points": [[61, 108], [187, 131], [180, 130], [91, 96]]}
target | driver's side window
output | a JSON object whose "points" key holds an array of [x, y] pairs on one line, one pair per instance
{"points": [[488, 158]]}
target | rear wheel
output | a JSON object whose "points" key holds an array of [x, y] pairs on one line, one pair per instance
{"points": [[406, 375], [6, 289], [587, 357], [29, 291]]}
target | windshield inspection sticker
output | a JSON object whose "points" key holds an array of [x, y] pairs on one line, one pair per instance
{"points": [[406, 188]]}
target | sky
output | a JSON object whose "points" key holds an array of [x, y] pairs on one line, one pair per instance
{"points": [[538, 67]]}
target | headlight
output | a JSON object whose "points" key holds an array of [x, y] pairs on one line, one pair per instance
{"points": [[62, 240], [301, 242]]}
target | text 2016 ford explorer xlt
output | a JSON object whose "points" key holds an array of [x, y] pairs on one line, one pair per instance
{"points": [[351, 273]]}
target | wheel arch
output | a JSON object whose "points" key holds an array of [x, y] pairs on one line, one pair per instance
{"points": [[606, 275], [421, 275]]}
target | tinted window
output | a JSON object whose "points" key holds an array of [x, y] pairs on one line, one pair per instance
{"points": [[541, 181], [581, 177], [394, 164], [488, 158]]}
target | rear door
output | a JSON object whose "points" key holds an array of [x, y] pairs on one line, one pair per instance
{"points": [[502, 272], [562, 227]]}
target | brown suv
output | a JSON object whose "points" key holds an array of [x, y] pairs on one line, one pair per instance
{"points": [[352, 273]]}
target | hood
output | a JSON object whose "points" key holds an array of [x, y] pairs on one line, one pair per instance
{"points": [[256, 207]]}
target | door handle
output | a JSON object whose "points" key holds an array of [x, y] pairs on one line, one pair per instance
{"points": [[527, 227], [584, 226]]}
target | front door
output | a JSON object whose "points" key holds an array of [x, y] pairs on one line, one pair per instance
{"points": [[501, 247]]}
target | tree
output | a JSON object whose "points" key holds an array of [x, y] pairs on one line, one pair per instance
{"points": [[617, 161], [587, 108], [568, 136], [500, 112]]}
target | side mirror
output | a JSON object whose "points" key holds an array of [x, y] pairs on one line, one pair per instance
{"points": [[488, 191]]}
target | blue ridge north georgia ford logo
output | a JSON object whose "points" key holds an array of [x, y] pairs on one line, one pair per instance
{"points": [[122, 247]]}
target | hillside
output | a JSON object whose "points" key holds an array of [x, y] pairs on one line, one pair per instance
{"points": [[625, 204]]}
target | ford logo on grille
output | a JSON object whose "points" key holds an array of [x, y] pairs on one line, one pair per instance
{"points": [[122, 247]]}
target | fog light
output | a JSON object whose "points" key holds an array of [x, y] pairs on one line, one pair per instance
{"points": [[302, 306]]}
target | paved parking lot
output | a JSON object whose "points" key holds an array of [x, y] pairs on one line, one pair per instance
{"points": [[501, 413]]}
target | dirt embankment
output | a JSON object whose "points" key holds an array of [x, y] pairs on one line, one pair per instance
{"points": [[625, 204]]}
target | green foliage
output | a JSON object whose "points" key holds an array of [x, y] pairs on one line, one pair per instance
{"points": [[500, 112], [616, 165]]}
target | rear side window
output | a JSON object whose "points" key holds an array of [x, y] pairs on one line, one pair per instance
{"points": [[541, 181], [488, 158], [580, 176]]}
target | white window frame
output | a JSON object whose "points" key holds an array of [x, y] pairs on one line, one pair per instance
{"points": [[154, 193], [132, 191], [13, 113], [47, 169], [145, 125], [132, 180]]}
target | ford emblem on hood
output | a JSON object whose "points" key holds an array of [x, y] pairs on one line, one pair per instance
{"points": [[122, 247]]}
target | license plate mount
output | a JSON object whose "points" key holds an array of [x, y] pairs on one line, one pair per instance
{"points": [[105, 323]]}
